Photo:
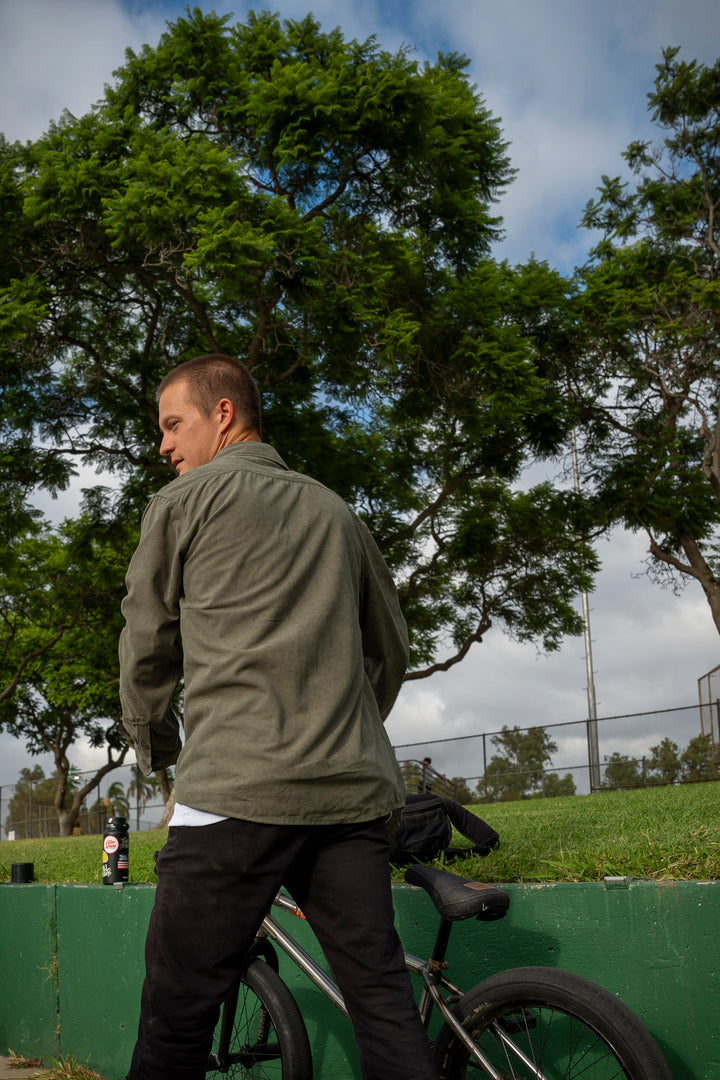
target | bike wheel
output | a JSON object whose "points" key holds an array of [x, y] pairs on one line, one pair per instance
{"points": [[545, 1024], [261, 1034]]}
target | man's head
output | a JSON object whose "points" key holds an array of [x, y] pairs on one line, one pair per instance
{"points": [[206, 404]]}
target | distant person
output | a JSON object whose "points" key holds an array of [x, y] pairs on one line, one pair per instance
{"points": [[269, 596], [426, 780]]}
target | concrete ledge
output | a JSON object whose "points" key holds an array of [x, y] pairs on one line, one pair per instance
{"points": [[72, 964]]}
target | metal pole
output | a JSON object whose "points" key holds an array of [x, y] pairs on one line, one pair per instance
{"points": [[592, 729], [484, 766]]}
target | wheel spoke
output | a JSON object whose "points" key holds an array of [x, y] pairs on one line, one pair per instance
{"points": [[554, 1046]]}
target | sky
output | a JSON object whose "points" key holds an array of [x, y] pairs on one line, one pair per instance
{"points": [[568, 80]]}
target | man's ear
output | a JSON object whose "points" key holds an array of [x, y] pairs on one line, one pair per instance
{"points": [[225, 412]]}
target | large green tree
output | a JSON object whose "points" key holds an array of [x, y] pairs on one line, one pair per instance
{"points": [[649, 378], [517, 771], [66, 583], [325, 211]]}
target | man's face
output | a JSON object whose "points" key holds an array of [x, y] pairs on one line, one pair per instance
{"points": [[189, 437]]}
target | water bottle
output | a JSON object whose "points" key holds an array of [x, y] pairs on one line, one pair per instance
{"points": [[116, 851]]}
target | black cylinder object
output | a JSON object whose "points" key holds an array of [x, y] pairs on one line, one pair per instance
{"points": [[116, 851], [22, 872]]}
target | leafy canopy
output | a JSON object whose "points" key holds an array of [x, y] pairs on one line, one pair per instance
{"points": [[323, 210], [648, 380]]}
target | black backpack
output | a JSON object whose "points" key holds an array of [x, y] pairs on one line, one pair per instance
{"points": [[425, 831]]}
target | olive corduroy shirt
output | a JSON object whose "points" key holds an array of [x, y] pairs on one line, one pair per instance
{"points": [[293, 644]]}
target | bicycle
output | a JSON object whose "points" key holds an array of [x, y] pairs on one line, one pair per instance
{"points": [[532, 1023]]}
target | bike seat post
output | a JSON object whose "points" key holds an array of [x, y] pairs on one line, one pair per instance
{"points": [[441, 943]]}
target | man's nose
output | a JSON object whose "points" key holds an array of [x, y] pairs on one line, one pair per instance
{"points": [[166, 445]]}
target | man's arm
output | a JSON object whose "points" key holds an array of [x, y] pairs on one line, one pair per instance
{"points": [[150, 653], [384, 631]]}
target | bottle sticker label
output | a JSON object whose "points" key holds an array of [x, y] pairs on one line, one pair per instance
{"points": [[111, 844]]}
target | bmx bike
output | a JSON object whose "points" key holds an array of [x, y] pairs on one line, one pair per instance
{"points": [[527, 1023]]}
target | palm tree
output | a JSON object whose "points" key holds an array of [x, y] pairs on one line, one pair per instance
{"points": [[118, 799], [141, 787]]}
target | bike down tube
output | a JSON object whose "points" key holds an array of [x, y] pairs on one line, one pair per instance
{"points": [[305, 962], [462, 1034]]}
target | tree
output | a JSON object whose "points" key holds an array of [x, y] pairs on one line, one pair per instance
{"points": [[23, 806], [664, 762], [324, 210], [67, 692], [141, 788], [699, 760], [30, 622], [648, 382], [31, 810], [553, 787], [118, 800], [461, 792], [500, 782], [518, 770], [621, 772]]}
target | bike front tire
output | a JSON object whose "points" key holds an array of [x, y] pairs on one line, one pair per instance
{"points": [[261, 1035], [540, 1022]]}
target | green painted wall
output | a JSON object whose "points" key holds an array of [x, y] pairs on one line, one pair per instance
{"points": [[28, 970], [655, 946]]}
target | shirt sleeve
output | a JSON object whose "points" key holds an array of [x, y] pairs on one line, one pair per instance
{"points": [[384, 631], [149, 648]]}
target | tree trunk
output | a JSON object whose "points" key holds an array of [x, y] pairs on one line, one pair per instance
{"points": [[696, 567], [165, 783], [167, 812]]}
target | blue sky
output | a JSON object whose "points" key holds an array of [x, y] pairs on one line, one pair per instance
{"points": [[568, 80]]}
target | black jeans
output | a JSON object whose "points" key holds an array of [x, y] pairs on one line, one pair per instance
{"points": [[216, 884]]}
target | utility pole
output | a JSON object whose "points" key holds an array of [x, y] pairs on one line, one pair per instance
{"points": [[592, 729]]}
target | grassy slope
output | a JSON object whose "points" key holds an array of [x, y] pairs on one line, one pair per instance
{"points": [[667, 833]]}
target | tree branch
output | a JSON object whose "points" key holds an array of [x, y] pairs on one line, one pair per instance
{"points": [[483, 627]]}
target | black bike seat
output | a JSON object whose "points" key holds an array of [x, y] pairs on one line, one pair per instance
{"points": [[457, 897]]}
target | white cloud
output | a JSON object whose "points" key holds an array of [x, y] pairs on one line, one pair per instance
{"points": [[56, 56]]}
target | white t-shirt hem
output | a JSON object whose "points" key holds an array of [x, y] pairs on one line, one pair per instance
{"points": [[188, 815]]}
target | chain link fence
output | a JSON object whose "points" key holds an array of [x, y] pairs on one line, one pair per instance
{"points": [[678, 745], [27, 808], [638, 749]]}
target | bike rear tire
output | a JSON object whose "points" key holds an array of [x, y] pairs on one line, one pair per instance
{"points": [[565, 1025], [265, 1038]]}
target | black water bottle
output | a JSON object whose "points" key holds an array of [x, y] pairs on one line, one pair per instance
{"points": [[116, 851]]}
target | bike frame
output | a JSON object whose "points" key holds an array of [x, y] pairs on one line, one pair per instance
{"points": [[428, 970]]}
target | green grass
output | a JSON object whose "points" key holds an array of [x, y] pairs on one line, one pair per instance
{"points": [[664, 833], [78, 859]]}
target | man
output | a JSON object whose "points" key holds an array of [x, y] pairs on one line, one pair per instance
{"points": [[262, 589], [426, 780]]}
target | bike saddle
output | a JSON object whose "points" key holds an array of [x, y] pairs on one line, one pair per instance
{"points": [[457, 897]]}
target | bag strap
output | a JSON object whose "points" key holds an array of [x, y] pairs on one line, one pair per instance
{"points": [[483, 836]]}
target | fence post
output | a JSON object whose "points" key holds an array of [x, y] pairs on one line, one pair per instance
{"points": [[484, 767]]}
